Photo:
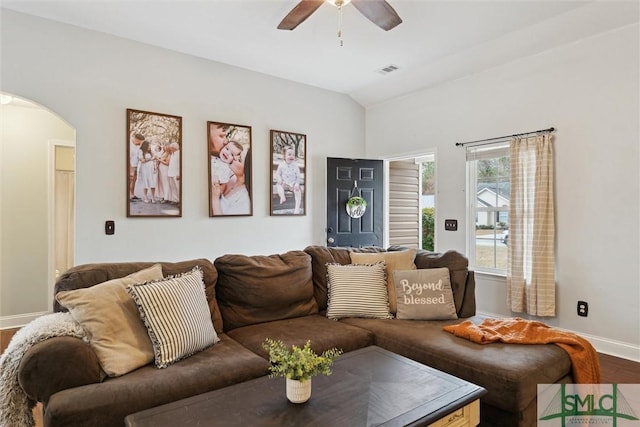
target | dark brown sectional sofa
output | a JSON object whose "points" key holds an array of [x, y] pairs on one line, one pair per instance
{"points": [[282, 297]]}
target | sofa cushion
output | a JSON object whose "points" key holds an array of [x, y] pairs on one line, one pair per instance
{"points": [[110, 317], [176, 315], [509, 372], [357, 290], [87, 275], [109, 402], [256, 289], [320, 257], [323, 333], [424, 294], [398, 260]]}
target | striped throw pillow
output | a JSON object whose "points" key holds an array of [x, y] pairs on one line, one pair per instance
{"points": [[357, 290], [176, 314]]}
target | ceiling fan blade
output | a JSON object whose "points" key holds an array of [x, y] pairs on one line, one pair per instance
{"points": [[379, 12], [298, 14]]}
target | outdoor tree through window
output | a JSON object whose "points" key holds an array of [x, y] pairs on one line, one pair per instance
{"points": [[427, 205]]}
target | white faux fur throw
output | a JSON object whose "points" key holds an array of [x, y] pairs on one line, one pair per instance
{"points": [[16, 408]]}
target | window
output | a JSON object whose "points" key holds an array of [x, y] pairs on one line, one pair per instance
{"points": [[488, 171]]}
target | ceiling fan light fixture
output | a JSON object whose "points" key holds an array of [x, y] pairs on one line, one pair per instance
{"points": [[379, 12], [338, 3]]}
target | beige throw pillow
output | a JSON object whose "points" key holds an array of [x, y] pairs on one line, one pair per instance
{"points": [[394, 260], [110, 317], [424, 294]]}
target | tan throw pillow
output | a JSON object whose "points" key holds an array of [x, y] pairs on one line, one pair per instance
{"points": [[424, 294], [176, 314], [111, 319], [357, 290], [395, 260]]}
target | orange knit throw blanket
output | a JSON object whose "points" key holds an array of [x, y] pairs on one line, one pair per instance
{"points": [[584, 359]]}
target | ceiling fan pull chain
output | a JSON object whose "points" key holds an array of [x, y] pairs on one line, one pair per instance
{"points": [[340, 24]]}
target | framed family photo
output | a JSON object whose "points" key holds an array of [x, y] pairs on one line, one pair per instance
{"points": [[154, 165], [288, 167], [229, 149]]}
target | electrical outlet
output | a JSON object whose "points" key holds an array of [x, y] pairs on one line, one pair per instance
{"points": [[583, 308], [451, 224]]}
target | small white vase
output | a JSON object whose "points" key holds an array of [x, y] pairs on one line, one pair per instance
{"points": [[298, 391]]}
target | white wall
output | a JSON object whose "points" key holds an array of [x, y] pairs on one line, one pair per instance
{"points": [[90, 79], [24, 167], [589, 91]]}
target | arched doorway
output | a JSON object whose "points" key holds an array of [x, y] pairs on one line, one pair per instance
{"points": [[30, 137]]}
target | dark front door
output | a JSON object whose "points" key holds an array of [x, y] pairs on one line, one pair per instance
{"points": [[347, 177]]}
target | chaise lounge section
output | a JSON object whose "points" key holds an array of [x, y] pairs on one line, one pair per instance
{"points": [[285, 297]]}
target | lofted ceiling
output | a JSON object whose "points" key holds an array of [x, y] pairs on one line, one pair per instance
{"points": [[437, 41]]}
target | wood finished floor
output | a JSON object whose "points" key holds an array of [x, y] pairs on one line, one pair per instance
{"points": [[614, 370]]}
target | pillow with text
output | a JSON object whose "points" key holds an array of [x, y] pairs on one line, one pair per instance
{"points": [[424, 294]]}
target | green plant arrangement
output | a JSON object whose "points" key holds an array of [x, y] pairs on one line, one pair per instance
{"points": [[298, 363]]}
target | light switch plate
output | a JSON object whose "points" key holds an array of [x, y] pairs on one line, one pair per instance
{"points": [[451, 224], [109, 227]]}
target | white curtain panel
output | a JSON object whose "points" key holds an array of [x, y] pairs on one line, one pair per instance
{"points": [[531, 285]]}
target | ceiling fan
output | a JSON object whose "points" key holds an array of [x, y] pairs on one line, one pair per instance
{"points": [[377, 11]]}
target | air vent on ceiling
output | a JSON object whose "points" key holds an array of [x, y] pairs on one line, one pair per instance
{"points": [[388, 69]]}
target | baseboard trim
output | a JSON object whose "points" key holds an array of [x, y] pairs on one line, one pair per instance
{"points": [[604, 345], [19, 320], [614, 348]]}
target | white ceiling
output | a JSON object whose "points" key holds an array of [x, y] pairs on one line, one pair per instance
{"points": [[438, 40]]}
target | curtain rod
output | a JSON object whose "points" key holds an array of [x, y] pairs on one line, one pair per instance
{"points": [[462, 144]]}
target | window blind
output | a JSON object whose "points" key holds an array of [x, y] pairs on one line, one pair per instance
{"points": [[404, 203], [487, 151]]}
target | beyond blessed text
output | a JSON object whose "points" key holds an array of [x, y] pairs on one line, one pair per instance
{"points": [[411, 290]]}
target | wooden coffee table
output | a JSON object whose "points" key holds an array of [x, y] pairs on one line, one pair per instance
{"points": [[370, 386]]}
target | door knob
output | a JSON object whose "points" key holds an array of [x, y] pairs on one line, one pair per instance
{"points": [[331, 240]]}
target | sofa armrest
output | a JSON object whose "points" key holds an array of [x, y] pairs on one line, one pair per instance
{"points": [[57, 364]]}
